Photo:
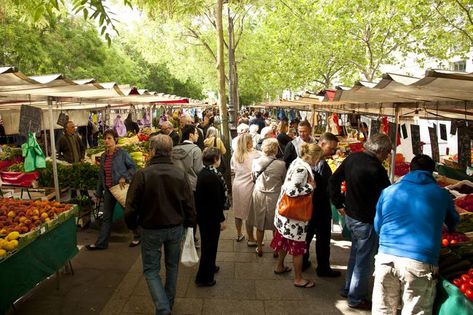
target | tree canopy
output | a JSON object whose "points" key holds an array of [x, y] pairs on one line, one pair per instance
{"points": [[297, 45]]}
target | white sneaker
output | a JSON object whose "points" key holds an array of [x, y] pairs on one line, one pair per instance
{"points": [[197, 244]]}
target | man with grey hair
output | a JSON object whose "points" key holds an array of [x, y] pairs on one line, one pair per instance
{"points": [[160, 201], [168, 129], [365, 178]]}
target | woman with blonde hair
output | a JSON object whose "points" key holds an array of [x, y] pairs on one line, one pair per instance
{"points": [[242, 187], [213, 140], [268, 175], [290, 234]]}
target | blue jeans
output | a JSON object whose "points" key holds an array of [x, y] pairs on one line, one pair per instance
{"points": [[152, 242], [364, 245]]}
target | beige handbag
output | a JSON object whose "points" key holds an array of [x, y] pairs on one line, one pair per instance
{"points": [[120, 193]]}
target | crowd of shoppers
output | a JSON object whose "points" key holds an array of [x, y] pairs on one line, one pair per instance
{"points": [[272, 170]]}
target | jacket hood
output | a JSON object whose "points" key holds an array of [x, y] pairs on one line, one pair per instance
{"points": [[419, 177], [180, 151]]}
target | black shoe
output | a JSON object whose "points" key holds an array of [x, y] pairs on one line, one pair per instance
{"points": [[93, 247], [365, 305], [217, 268], [206, 284], [329, 273], [306, 265]]}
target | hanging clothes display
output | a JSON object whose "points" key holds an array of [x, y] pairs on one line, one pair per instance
{"points": [[119, 126], [34, 156]]}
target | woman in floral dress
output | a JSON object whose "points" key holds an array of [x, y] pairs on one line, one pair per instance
{"points": [[290, 234]]}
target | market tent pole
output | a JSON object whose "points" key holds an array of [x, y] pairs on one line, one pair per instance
{"points": [[313, 119], [393, 157], [53, 148], [45, 136]]}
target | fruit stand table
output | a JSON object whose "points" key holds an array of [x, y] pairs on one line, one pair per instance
{"points": [[36, 261]]}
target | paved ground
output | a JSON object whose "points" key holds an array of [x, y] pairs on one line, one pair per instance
{"points": [[111, 282]]}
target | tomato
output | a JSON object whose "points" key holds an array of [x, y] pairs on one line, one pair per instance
{"points": [[470, 272], [444, 242], [464, 287], [470, 283], [453, 242], [465, 277], [469, 294], [457, 282]]}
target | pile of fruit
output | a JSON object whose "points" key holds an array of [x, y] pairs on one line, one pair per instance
{"points": [[465, 284], [23, 216], [9, 243], [142, 137], [453, 238], [402, 168], [465, 203]]}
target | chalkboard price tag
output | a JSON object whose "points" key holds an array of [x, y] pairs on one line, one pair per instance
{"points": [[434, 143], [415, 139], [443, 132], [404, 131], [375, 124], [392, 133], [464, 147], [30, 119]]}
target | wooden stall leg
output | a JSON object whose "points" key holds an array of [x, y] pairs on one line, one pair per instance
{"points": [[68, 268], [57, 280]]}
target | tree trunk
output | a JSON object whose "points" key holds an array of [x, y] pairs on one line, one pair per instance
{"points": [[221, 87], [231, 79]]}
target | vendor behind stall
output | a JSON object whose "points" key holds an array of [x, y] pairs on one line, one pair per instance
{"points": [[409, 219], [70, 147]]}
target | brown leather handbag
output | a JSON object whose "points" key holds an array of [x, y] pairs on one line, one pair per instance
{"points": [[297, 208]]}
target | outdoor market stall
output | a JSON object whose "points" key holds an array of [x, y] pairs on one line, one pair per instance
{"points": [[440, 95], [35, 103], [39, 238]]}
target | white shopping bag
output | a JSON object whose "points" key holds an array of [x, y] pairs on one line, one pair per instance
{"points": [[189, 255]]}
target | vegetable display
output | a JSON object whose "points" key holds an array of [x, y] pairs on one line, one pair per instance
{"points": [[78, 176], [465, 284], [465, 203]]}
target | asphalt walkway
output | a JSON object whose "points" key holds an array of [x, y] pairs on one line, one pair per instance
{"points": [[111, 282]]}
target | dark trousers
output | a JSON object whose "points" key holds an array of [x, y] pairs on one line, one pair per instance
{"points": [[106, 228], [209, 235], [320, 226]]}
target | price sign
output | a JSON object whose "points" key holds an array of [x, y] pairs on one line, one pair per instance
{"points": [[434, 143], [415, 139], [30, 119]]}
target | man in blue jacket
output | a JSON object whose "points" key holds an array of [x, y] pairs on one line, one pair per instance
{"points": [[409, 219]]}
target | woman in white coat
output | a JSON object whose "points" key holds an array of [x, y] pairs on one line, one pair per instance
{"points": [[242, 187]]}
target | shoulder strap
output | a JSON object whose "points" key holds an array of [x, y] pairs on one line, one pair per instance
{"points": [[262, 171]]}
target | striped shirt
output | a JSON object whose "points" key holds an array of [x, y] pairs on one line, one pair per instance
{"points": [[108, 169]]}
